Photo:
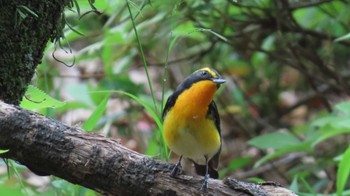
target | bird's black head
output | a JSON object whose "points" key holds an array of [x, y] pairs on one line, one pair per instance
{"points": [[199, 75]]}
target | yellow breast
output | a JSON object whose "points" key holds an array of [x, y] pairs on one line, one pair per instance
{"points": [[192, 139], [187, 130]]}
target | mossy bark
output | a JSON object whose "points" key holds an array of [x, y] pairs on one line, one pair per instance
{"points": [[23, 37]]}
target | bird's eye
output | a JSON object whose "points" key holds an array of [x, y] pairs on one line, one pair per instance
{"points": [[204, 73]]}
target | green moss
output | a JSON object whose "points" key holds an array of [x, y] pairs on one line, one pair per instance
{"points": [[25, 41]]}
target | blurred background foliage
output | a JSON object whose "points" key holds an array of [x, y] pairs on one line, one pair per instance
{"points": [[285, 109]]}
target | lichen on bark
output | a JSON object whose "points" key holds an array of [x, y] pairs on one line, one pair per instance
{"points": [[23, 41]]}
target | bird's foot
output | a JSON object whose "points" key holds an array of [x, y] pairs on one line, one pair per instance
{"points": [[205, 183], [176, 170]]}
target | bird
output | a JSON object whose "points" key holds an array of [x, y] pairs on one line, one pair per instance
{"points": [[191, 123]]}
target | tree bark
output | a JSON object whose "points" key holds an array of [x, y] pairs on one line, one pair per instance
{"points": [[50, 147], [23, 37]]}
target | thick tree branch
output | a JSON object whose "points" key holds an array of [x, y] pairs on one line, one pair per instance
{"points": [[49, 147]]}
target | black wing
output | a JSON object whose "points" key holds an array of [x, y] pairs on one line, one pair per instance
{"points": [[214, 114], [169, 104]]}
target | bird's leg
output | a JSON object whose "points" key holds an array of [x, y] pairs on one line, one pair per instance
{"points": [[176, 168], [206, 177]]}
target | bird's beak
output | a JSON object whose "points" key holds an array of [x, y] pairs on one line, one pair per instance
{"points": [[218, 80]]}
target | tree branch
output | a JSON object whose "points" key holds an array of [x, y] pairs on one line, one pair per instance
{"points": [[47, 146]]}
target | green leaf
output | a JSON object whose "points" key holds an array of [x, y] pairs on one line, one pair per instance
{"points": [[76, 4], [153, 147], [274, 140], [302, 147], [172, 42], [91, 122], [72, 105], [64, 187], [330, 131], [74, 30], [14, 168], [34, 98], [4, 151], [214, 33], [10, 190], [294, 186], [343, 108], [321, 122], [307, 185], [341, 123], [144, 61], [342, 38], [22, 15], [343, 172], [236, 164], [28, 10], [255, 180]]}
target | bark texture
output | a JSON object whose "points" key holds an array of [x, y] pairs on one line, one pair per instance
{"points": [[23, 37], [50, 147]]}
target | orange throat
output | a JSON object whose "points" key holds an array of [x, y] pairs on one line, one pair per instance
{"points": [[193, 102]]}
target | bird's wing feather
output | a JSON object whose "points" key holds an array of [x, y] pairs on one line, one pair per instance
{"points": [[168, 105]]}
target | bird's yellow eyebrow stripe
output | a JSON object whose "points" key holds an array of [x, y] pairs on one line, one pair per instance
{"points": [[209, 70]]}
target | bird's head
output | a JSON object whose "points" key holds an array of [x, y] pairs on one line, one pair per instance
{"points": [[193, 96], [203, 74]]}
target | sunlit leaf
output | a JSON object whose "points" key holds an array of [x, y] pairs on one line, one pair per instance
{"points": [[34, 98], [343, 172], [72, 105], [342, 38], [153, 147], [4, 151], [10, 190], [274, 140], [255, 180], [343, 108]]}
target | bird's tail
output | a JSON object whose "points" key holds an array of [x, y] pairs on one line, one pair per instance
{"points": [[200, 170]]}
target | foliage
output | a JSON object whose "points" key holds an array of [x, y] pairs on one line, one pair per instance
{"points": [[318, 132], [343, 172], [284, 109], [37, 99]]}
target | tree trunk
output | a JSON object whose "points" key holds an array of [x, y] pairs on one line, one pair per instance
{"points": [[25, 28], [50, 147]]}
